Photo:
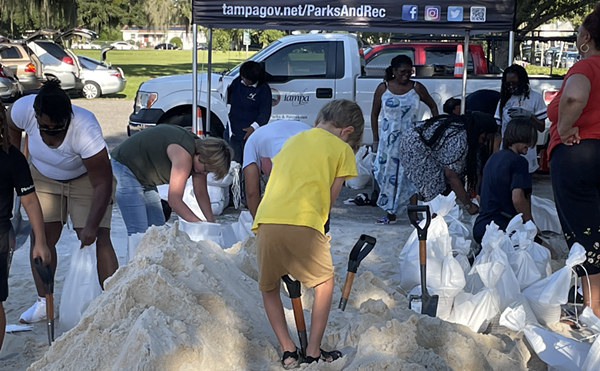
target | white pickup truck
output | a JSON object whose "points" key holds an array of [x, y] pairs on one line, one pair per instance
{"points": [[304, 72]]}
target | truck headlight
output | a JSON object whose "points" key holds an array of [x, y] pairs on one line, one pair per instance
{"points": [[144, 100]]}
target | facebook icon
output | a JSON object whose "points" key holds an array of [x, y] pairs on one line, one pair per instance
{"points": [[410, 12]]}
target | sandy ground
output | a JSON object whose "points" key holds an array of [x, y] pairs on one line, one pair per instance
{"points": [[20, 350]]}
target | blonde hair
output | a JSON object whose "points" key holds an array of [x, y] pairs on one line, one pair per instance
{"points": [[343, 113], [5, 139], [216, 154]]}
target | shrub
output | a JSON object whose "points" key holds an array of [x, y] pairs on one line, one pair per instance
{"points": [[177, 41]]}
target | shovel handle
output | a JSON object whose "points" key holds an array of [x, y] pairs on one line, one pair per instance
{"points": [[412, 213], [422, 252], [298, 314], [346, 290]]}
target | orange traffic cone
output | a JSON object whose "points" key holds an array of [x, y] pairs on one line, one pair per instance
{"points": [[459, 62], [199, 126]]}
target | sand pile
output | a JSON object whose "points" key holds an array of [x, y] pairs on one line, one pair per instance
{"points": [[183, 305]]}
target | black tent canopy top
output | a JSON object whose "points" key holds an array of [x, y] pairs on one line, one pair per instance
{"points": [[412, 16]]}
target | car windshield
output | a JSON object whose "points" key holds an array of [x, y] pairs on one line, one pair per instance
{"points": [[257, 56], [52, 49]]}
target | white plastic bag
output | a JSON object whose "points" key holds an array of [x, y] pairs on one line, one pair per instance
{"points": [[445, 275], [243, 227], [364, 167], [544, 214], [81, 286], [494, 244], [559, 352], [521, 262], [476, 311], [133, 242], [547, 295], [201, 231], [592, 361]]}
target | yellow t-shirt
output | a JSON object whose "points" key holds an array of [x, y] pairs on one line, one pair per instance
{"points": [[298, 191]]}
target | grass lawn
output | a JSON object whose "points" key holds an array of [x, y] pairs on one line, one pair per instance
{"points": [[142, 65]]}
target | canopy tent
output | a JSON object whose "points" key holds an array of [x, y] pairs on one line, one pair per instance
{"points": [[445, 17]]}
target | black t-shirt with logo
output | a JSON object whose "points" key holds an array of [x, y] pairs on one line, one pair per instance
{"points": [[14, 175]]}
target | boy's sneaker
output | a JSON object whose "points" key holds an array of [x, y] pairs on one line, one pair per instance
{"points": [[385, 221], [36, 313]]}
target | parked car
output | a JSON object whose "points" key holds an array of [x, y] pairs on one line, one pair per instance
{"points": [[23, 62], [87, 46], [429, 59], [122, 45], [100, 78], [10, 90], [166, 46]]}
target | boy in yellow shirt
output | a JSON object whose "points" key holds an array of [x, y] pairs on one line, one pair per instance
{"points": [[306, 178]]}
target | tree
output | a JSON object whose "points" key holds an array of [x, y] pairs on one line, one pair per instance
{"points": [[533, 13]]}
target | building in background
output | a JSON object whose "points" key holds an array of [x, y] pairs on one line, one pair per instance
{"points": [[147, 37]]}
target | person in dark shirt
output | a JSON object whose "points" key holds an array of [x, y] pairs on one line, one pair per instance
{"points": [[250, 100], [15, 175], [506, 184]]}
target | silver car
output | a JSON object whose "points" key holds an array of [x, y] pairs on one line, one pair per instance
{"points": [[10, 89], [100, 78]]}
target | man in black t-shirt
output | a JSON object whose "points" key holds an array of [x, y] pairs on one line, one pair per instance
{"points": [[506, 184], [15, 175]]}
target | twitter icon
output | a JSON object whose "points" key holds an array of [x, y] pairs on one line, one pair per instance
{"points": [[455, 14]]}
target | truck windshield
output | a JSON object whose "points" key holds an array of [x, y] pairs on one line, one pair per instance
{"points": [[258, 56]]}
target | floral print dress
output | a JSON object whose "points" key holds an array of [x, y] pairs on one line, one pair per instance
{"points": [[398, 114]]}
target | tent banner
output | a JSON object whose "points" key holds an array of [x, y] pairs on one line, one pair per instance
{"points": [[411, 16]]}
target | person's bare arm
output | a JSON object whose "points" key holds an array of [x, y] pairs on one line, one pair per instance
{"points": [[14, 133], [426, 98], [335, 189], [573, 100], [459, 189], [252, 187], [181, 168], [539, 124], [521, 203], [375, 109], [34, 211], [202, 198], [101, 177]]}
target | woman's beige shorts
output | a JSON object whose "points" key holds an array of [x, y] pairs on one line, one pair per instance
{"points": [[302, 252], [70, 198]]}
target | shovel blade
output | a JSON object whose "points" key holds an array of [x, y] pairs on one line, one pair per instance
{"points": [[424, 304]]}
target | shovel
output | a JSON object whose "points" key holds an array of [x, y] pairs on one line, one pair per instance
{"points": [[426, 303], [361, 249], [47, 277], [293, 288]]}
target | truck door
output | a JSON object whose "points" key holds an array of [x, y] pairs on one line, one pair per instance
{"points": [[302, 79]]}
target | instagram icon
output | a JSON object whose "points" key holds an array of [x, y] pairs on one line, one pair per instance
{"points": [[432, 13]]}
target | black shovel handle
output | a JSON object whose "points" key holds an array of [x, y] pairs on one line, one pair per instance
{"points": [[45, 273], [412, 211], [293, 287], [361, 249]]}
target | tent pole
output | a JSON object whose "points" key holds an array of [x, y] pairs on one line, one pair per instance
{"points": [[195, 78], [463, 103], [209, 82], [511, 47]]}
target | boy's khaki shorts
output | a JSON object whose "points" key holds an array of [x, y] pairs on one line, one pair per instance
{"points": [[302, 252], [69, 198]]}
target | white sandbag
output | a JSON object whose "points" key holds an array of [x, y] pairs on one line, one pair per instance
{"points": [[592, 322], [559, 352], [494, 244], [133, 242], [543, 212], [243, 227], [541, 257], [444, 303], [521, 262], [364, 167], [461, 249], [202, 231], [592, 361], [476, 311], [551, 292], [445, 276], [512, 318], [81, 286]]}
